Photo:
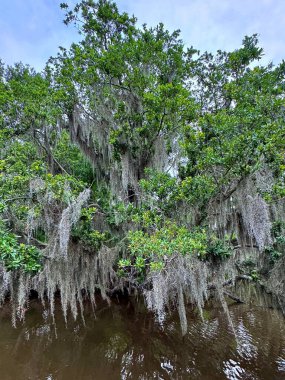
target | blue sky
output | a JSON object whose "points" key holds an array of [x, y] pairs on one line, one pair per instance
{"points": [[32, 30]]}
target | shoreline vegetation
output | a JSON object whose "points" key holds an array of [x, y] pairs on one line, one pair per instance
{"points": [[133, 164]]}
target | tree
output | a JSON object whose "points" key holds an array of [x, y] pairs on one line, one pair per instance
{"points": [[127, 89], [118, 159]]}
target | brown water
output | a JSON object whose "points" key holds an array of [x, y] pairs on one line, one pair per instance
{"points": [[124, 342]]}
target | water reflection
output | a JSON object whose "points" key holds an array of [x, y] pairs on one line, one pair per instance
{"points": [[245, 346], [233, 370], [124, 342]]}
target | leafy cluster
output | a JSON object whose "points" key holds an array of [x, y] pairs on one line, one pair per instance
{"points": [[85, 232], [154, 250], [16, 255], [240, 120], [277, 249]]}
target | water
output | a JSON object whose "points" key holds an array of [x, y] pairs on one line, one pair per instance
{"points": [[124, 342]]}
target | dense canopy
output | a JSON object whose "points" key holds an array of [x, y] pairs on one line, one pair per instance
{"points": [[133, 162]]}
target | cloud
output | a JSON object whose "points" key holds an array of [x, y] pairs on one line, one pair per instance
{"points": [[32, 30], [211, 24]]}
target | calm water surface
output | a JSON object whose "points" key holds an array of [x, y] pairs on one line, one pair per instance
{"points": [[124, 342]]}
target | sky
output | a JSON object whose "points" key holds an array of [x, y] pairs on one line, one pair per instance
{"points": [[32, 30]]}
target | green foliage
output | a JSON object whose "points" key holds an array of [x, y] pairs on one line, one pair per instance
{"points": [[277, 249], [154, 249], [62, 187], [274, 255], [168, 240], [27, 101], [160, 185], [248, 262], [147, 218], [196, 190], [151, 251], [85, 232], [218, 249], [159, 188], [278, 189], [26, 185], [71, 158], [119, 213], [240, 118], [163, 192], [17, 255], [278, 229], [255, 276]]}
